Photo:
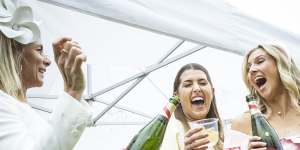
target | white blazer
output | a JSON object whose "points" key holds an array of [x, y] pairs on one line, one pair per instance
{"points": [[21, 128]]}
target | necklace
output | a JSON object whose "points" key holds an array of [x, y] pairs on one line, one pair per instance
{"points": [[279, 113]]}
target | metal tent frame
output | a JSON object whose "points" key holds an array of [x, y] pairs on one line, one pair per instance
{"points": [[92, 97]]}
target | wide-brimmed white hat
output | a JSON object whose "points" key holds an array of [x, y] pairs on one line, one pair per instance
{"points": [[17, 22]]}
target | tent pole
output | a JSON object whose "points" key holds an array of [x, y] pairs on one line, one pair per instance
{"points": [[134, 76], [140, 78], [45, 109], [157, 88], [89, 79], [41, 108], [119, 107], [126, 109], [144, 74]]}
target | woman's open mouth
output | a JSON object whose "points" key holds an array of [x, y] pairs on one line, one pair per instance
{"points": [[197, 101], [260, 81]]}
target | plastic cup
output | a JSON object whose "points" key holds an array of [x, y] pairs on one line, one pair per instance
{"points": [[211, 128]]}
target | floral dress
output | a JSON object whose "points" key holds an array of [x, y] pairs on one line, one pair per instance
{"points": [[236, 140]]}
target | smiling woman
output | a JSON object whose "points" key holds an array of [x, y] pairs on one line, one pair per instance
{"points": [[197, 101], [34, 65], [22, 66], [273, 77]]}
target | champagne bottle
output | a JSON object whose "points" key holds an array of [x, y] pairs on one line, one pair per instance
{"points": [[261, 127], [150, 136]]}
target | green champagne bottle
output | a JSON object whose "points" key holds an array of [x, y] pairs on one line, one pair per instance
{"points": [[261, 127], [150, 136]]}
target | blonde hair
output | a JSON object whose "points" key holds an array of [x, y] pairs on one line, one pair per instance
{"points": [[10, 67], [288, 73]]}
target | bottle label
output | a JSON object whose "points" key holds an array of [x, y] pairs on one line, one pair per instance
{"points": [[253, 107], [168, 110]]}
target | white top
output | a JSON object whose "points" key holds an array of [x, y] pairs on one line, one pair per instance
{"points": [[174, 135], [22, 128]]}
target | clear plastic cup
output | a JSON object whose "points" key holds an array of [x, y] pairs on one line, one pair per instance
{"points": [[211, 128]]}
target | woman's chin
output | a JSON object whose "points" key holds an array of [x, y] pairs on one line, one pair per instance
{"points": [[40, 84], [37, 84], [199, 115]]}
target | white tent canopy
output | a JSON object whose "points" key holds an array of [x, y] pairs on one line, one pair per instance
{"points": [[212, 23], [119, 41]]}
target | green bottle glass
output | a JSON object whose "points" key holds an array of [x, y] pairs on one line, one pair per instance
{"points": [[150, 136], [261, 127]]}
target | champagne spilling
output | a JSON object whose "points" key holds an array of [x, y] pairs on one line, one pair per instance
{"points": [[261, 127], [150, 136]]}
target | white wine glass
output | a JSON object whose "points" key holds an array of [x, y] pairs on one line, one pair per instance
{"points": [[211, 128]]}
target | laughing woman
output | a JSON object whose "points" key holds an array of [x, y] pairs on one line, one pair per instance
{"points": [[271, 73], [197, 101], [22, 66]]}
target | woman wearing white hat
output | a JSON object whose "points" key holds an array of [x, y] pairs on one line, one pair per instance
{"points": [[22, 66]]}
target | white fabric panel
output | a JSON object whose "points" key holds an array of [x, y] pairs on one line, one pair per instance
{"points": [[214, 23], [117, 51]]}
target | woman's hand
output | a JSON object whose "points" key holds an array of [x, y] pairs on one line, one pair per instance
{"points": [[196, 139], [255, 143], [69, 57]]}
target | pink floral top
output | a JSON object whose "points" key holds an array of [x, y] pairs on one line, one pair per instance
{"points": [[235, 140], [291, 143]]}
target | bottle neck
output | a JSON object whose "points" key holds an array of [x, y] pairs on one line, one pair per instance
{"points": [[253, 107], [170, 107]]}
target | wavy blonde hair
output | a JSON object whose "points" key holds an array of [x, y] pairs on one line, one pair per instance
{"points": [[10, 67], [288, 72]]}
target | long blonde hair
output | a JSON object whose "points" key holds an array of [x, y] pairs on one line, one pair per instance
{"points": [[10, 67], [288, 73]]}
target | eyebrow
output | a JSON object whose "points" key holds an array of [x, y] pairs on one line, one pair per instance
{"points": [[257, 57], [202, 79], [261, 55]]}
